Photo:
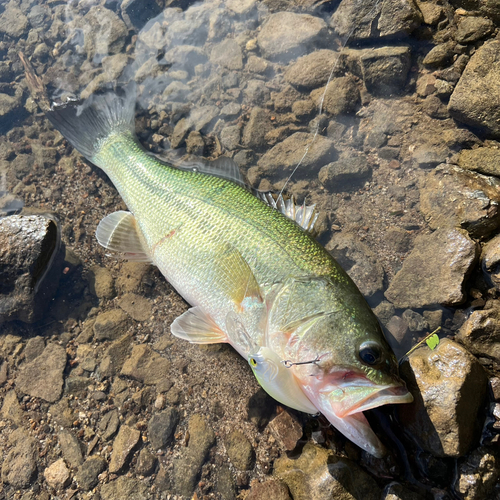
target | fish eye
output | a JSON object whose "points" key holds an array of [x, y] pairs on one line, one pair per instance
{"points": [[370, 353], [253, 362]]}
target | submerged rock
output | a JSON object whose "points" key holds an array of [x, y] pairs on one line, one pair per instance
{"points": [[318, 473], [341, 97], [471, 101], [451, 196], [483, 160], [125, 487], [19, 466], [490, 261], [435, 270], [271, 489], [239, 450], [123, 445], [345, 174], [313, 70], [31, 259], [449, 388]]}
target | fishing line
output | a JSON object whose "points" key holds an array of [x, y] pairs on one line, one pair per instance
{"points": [[322, 100]]}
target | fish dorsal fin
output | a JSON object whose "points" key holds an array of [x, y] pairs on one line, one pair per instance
{"points": [[197, 327], [304, 215], [223, 167], [119, 232]]}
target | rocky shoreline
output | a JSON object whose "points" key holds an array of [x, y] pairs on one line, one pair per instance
{"points": [[98, 400]]}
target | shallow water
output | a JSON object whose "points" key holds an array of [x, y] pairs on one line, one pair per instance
{"points": [[214, 79]]}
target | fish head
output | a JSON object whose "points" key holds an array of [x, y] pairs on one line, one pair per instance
{"points": [[345, 367]]}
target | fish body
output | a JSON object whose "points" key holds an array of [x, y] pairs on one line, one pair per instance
{"points": [[253, 277]]}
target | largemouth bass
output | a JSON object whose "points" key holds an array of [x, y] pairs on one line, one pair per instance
{"points": [[253, 276]]}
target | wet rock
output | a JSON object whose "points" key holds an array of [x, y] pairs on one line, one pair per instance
{"points": [[256, 92], [19, 466], [440, 55], [398, 239], [256, 129], [87, 476], [483, 160], [478, 474], [230, 137], [161, 428], [318, 473], [34, 347], [114, 356], [449, 387], [57, 474], [103, 31], [101, 283], [286, 35], [43, 377], [284, 157], [187, 467], [385, 70], [384, 311], [13, 22], [271, 489], [224, 483], [373, 19], [286, 429], [145, 365], [239, 450], [109, 425], [471, 101], [435, 107], [125, 487], [123, 445], [396, 491], [136, 13], [138, 307], [313, 70], [435, 271], [481, 333], [31, 258], [490, 262], [70, 447], [451, 196], [429, 155], [11, 409], [341, 96], [346, 174], [360, 263], [111, 324], [131, 276], [415, 321], [471, 28], [227, 54], [146, 463]]}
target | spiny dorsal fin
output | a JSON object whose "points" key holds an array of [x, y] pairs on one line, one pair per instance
{"points": [[304, 215], [119, 232]]}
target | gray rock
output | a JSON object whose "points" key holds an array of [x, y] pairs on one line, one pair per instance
{"points": [[256, 129], [227, 54], [123, 445], [348, 173], [230, 137], [114, 356], [270, 489], [161, 428], [435, 107], [385, 70], [111, 325], [11, 409], [77, 385], [481, 334], [31, 262], [39, 16], [187, 467], [341, 96], [146, 365], [320, 474], [70, 447], [490, 261], [360, 263], [101, 282], [239, 450], [230, 109], [286, 35], [146, 463], [57, 474], [225, 484], [451, 196], [435, 271], [440, 55], [478, 474], [109, 425], [313, 70], [137, 13], [384, 311], [138, 307], [373, 19], [125, 487], [415, 321], [201, 118], [43, 377], [449, 386], [483, 160], [429, 155], [87, 476], [471, 28], [471, 101], [256, 92], [284, 157], [19, 466], [398, 239], [34, 347], [13, 22]]}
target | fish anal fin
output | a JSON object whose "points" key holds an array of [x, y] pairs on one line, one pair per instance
{"points": [[119, 232], [197, 327]]}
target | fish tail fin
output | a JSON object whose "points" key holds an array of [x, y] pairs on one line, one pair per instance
{"points": [[86, 124]]}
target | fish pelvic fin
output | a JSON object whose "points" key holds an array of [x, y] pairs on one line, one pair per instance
{"points": [[197, 327]]}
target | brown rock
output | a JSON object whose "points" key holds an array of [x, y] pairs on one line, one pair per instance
{"points": [[341, 96], [111, 324], [239, 450], [483, 160], [101, 283], [123, 445], [57, 474], [145, 365], [313, 70], [139, 308], [272, 489], [448, 387], [286, 429]]}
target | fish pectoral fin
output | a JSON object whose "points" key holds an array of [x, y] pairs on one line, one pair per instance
{"points": [[197, 327], [119, 232]]}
